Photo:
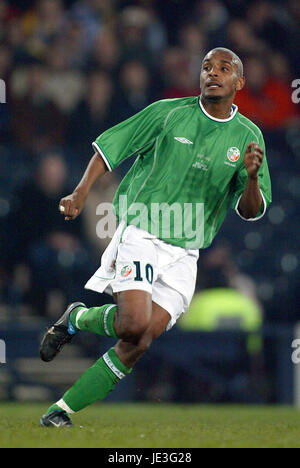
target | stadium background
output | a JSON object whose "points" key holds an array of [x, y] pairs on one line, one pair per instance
{"points": [[72, 69]]}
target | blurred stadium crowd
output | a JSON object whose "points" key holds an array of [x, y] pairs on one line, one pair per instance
{"points": [[73, 69]]}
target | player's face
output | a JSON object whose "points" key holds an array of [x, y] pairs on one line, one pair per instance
{"points": [[219, 76]]}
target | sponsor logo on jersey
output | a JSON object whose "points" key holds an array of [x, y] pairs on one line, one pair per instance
{"points": [[202, 157], [126, 270], [233, 154], [183, 140], [200, 165], [202, 162]]}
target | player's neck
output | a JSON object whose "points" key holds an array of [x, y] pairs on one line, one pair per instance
{"points": [[218, 109]]}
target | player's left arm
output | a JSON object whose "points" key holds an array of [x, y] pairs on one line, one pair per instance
{"points": [[251, 200]]}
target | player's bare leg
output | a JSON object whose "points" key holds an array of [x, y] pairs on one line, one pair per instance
{"points": [[134, 327]]}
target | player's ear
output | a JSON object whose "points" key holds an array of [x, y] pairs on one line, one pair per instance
{"points": [[240, 83]]}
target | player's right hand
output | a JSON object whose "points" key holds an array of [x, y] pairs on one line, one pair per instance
{"points": [[71, 206]]}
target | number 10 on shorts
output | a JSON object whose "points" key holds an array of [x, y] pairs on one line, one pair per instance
{"points": [[140, 275]]}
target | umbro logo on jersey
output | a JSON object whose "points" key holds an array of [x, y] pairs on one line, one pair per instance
{"points": [[184, 140]]}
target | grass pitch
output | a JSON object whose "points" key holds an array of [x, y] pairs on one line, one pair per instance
{"points": [[153, 426]]}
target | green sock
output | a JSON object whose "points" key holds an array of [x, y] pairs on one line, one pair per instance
{"points": [[94, 384], [99, 320], [54, 407]]}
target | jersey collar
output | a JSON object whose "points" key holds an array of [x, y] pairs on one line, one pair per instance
{"points": [[233, 112]]}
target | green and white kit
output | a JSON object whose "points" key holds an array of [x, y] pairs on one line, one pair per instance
{"points": [[189, 170], [185, 157]]}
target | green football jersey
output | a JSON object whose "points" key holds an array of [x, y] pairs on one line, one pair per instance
{"points": [[188, 171]]}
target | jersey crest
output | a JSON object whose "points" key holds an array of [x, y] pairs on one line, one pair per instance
{"points": [[233, 154]]}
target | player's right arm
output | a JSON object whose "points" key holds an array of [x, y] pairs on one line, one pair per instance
{"points": [[72, 205], [114, 146]]}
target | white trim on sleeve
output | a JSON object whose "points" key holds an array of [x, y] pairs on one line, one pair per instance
{"points": [[98, 150], [251, 219]]}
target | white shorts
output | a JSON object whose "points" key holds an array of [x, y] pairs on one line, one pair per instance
{"points": [[135, 259]]}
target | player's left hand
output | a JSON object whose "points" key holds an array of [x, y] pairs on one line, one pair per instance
{"points": [[253, 159]]}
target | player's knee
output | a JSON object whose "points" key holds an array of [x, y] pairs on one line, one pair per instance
{"points": [[133, 316], [133, 330], [132, 326]]}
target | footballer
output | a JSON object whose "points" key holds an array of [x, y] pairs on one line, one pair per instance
{"points": [[194, 152]]}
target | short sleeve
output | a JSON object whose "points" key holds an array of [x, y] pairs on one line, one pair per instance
{"points": [[130, 136], [264, 185]]}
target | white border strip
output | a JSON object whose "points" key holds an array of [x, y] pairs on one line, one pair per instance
{"points": [[251, 219], [234, 110], [78, 317], [112, 367], [105, 318], [296, 366], [98, 150], [64, 406]]}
